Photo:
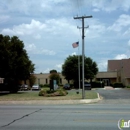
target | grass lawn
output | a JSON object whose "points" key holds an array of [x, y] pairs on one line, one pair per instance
{"points": [[33, 95]]}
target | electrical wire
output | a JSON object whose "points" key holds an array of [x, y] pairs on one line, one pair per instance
{"points": [[76, 11]]}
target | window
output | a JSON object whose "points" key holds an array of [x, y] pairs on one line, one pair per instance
{"points": [[38, 81], [60, 80], [46, 81], [1, 80]]}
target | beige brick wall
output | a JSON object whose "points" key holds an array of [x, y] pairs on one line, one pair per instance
{"points": [[106, 74], [44, 79]]}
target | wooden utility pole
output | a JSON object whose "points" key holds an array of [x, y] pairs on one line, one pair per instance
{"points": [[83, 17]]}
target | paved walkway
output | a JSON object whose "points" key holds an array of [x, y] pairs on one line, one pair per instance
{"points": [[108, 88]]}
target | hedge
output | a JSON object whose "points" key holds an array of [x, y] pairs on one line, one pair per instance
{"points": [[118, 85], [97, 84]]}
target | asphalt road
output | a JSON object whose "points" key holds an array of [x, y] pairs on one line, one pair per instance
{"points": [[115, 96], [100, 116], [63, 117], [118, 93]]}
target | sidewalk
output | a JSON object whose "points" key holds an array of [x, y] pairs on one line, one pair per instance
{"points": [[109, 88], [50, 102]]}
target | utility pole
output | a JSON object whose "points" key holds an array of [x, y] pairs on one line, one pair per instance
{"points": [[83, 17]]}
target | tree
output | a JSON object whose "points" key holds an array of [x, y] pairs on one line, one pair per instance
{"points": [[15, 64], [70, 68], [54, 75], [32, 79], [53, 71]]}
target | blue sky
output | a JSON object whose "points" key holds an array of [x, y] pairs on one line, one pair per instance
{"points": [[48, 29]]}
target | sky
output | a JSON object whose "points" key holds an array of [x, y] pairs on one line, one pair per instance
{"points": [[48, 29]]}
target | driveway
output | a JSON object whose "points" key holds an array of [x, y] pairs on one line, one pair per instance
{"points": [[118, 95]]}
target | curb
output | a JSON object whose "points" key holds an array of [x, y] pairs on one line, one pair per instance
{"points": [[91, 100]]}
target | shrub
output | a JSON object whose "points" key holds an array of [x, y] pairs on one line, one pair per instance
{"points": [[48, 93], [46, 85], [128, 86], [97, 84], [41, 85], [42, 92], [61, 85], [71, 85], [118, 85], [62, 92]]}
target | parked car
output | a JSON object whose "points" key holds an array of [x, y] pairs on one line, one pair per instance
{"points": [[87, 86], [35, 87], [67, 87], [24, 87]]}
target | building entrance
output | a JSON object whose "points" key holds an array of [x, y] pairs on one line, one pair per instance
{"points": [[106, 82]]}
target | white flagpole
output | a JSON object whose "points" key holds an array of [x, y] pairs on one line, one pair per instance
{"points": [[79, 66]]}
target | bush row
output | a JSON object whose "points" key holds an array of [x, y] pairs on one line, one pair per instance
{"points": [[118, 85], [48, 93], [97, 84]]}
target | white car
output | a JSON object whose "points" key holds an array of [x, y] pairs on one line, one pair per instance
{"points": [[35, 87]]}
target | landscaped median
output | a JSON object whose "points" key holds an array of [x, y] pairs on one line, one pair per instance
{"points": [[32, 97]]}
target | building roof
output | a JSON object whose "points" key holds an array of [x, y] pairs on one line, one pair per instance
{"points": [[112, 74], [120, 65]]}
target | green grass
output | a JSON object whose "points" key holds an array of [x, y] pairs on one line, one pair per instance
{"points": [[32, 95]]}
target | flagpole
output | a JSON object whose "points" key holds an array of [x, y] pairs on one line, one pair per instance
{"points": [[79, 66], [74, 45]]}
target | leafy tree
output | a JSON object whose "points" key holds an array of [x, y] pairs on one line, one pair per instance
{"points": [[15, 64], [32, 79], [53, 71], [54, 75], [70, 68]]}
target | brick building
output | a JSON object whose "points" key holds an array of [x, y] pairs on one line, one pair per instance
{"points": [[117, 71]]}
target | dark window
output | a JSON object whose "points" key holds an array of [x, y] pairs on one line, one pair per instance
{"points": [[60, 80], [38, 81], [46, 81]]}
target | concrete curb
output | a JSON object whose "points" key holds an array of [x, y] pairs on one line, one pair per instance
{"points": [[91, 100], [51, 102]]}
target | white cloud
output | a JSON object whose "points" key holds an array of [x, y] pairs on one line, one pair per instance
{"points": [[59, 67], [102, 65], [127, 32], [74, 53], [125, 5], [96, 29], [47, 52], [96, 10], [32, 49], [121, 56], [25, 29], [47, 70], [120, 23], [111, 5], [36, 28]]}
